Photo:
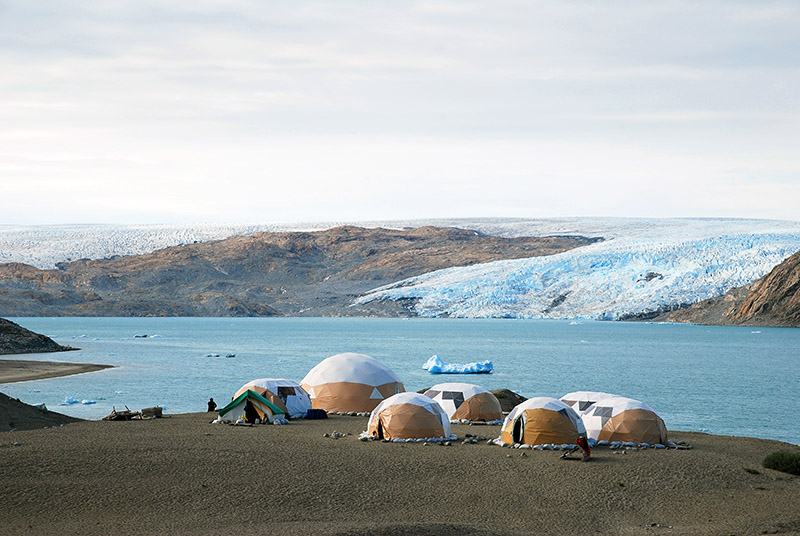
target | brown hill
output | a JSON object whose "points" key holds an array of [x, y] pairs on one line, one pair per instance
{"points": [[16, 415], [14, 339], [773, 300], [267, 274]]}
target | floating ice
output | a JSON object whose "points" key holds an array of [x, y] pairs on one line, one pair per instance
{"points": [[88, 402], [69, 401], [435, 365]]}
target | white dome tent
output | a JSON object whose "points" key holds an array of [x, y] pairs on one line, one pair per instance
{"points": [[409, 416], [541, 421], [465, 401], [286, 394], [350, 383], [624, 419]]}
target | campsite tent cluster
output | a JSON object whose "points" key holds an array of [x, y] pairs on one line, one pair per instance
{"points": [[352, 383]]}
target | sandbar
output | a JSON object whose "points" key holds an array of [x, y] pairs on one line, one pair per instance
{"points": [[15, 370]]}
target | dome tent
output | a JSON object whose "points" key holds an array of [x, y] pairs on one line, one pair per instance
{"points": [[624, 419], [466, 401], [286, 394], [541, 421], [350, 382], [581, 401], [409, 416], [250, 406]]}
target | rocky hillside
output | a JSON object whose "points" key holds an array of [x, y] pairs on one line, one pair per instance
{"points": [[14, 415], [14, 339], [773, 300], [267, 274]]}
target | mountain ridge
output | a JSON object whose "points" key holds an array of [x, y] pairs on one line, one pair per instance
{"points": [[773, 300], [295, 273]]}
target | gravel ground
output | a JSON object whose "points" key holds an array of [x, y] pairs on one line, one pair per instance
{"points": [[182, 475]]}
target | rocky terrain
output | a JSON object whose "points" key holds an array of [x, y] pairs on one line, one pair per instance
{"points": [[266, 274], [773, 300], [14, 339]]}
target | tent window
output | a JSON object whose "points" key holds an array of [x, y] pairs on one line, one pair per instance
{"points": [[583, 405], [456, 396], [603, 412], [431, 394], [285, 392]]}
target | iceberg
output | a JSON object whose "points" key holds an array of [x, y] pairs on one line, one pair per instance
{"points": [[435, 365]]}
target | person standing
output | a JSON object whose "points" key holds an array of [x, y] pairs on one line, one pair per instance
{"points": [[212, 405]]}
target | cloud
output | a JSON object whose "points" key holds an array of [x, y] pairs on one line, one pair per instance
{"points": [[481, 107]]}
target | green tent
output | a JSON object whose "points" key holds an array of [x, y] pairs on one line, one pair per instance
{"points": [[251, 406]]}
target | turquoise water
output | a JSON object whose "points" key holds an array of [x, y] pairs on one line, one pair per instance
{"points": [[722, 380]]}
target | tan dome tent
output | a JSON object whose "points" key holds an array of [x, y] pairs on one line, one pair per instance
{"points": [[249, 406], [286, 394], [409, 416], [350, 382], [466, 401], [541, 421], [624, 419], [581, 401]]}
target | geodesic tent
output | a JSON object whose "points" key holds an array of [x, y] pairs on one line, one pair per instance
{"points": [[249, 406], [540, 421], [624, 419], [409, 416], [286, 394], [350, 382], [466, 401], [581, 401]]}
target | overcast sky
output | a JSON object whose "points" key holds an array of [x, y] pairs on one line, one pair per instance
{"points": [[254, 111]]}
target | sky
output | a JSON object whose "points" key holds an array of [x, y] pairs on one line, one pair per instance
{"points": [[191, 111]]}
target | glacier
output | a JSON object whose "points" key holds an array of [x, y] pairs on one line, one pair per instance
{"points": [[652, 266]]}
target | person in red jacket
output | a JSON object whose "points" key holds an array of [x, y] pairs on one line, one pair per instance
{"points": [[583, 443]]}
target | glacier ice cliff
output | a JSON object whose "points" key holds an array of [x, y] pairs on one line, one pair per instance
{"points": [[651, 266]]}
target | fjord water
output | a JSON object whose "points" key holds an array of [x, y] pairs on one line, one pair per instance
{"points": [[721, 380]]}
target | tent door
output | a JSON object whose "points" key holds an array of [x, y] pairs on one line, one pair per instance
{"points": [[250, 412], [516, 433], [380, 429]]}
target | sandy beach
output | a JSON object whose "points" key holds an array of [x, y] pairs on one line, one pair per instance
{"points": [[182, 475], [16, 370]]}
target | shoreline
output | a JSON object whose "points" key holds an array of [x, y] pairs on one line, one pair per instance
{"points": [[20, 370]]}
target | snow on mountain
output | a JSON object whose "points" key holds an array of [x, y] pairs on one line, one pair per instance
{"points": [[642, 266], [45, 245]]}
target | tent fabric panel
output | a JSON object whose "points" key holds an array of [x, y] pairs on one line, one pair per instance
{"points": [[637, 425], [480, 407], [348, 396], [408, 421]]}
